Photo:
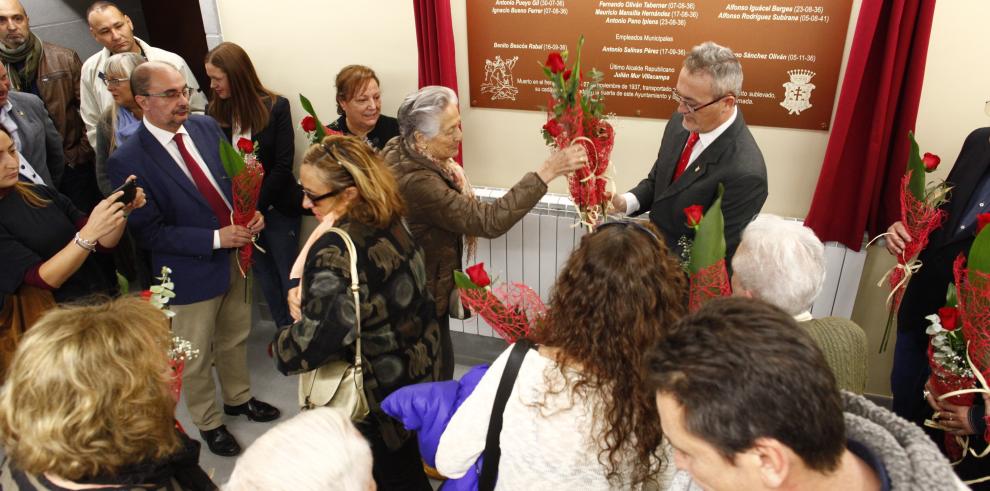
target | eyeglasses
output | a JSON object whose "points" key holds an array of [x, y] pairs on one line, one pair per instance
{"points": [[112, 81], [679, 99], [630, 223], [186, 92], [320, 197]]}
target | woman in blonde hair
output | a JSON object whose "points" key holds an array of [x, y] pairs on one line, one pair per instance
{"points": [[346, 185], [87, 404]]}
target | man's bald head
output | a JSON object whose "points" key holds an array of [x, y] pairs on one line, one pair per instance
{"points": [[162, 93]]}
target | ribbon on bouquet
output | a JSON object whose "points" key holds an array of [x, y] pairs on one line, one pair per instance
{"points": [[590, 219], [963, 440], [908, 269]]}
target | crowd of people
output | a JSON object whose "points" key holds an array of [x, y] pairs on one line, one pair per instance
{"points": [[114, 173]]}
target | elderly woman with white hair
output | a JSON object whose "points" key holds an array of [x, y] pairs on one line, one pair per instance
{"points": [[316, 450], [441, 208], [783, 262]]}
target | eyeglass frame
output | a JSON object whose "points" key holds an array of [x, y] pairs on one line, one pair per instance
{"points": [[631, 223], [187, 91], [112, 81], [316, 199], [679, 99]]}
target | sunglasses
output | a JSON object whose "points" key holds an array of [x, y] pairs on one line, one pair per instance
{"points": [[315, 198]]}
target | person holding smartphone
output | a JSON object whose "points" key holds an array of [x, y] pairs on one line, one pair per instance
{"points": [[47, 243]]}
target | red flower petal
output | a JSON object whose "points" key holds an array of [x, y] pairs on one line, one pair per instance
{"points": [[245, 145], [981, 221], [931, 161], [555, 62], [478, 275], [949, 316], [308, 124], [694, 213]]}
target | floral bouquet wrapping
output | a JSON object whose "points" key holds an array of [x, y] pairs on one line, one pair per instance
{"points": [[920, 215], [311, 125], [511, 309], [707, 274], [576, 115], [179, 349], [246, 174], [959, 353]]}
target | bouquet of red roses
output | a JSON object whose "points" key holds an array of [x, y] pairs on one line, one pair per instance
{"points": [[576, 114], [246, 174], [959, 352], [511, 309], [921, 215], [707, 275]]}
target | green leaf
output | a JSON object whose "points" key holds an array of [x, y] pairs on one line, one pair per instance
{"points": [[979, 253], [308, 107], [708, 246], [917, 169], [463, 281], [233, 163], [951, 299]]}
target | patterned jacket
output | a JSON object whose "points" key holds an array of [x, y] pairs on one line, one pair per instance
{"points": [[400, 340]]}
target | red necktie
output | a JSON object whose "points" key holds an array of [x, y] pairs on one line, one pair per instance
{"points": [[204, 185], [685, 156]]}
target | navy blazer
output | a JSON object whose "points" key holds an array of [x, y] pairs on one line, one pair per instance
{"points": [[276, 150], [733, 160], [177, 224]]}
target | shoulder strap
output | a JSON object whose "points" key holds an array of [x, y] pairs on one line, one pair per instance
{"points": [[493, 453], [355, 290]]}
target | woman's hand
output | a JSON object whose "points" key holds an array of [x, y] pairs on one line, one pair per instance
{"points": [[295, 303], [107, 216], [139, 197], [897, 237], [562, 162], [950, 417]]}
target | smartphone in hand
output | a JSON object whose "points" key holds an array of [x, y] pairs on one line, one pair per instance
{"points": [[130, 191]]}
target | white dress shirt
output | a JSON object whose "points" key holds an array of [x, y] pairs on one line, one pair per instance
{"points": [[704, 140], [167, 139]]}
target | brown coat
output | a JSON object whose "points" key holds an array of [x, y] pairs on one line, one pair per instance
{"points": [[439, 216], [59, 72]]}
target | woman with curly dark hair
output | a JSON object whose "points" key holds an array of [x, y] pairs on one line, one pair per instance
{"points": [[576, 417]]}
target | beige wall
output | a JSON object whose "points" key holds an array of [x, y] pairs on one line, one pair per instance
{"points": [[300, 46]]}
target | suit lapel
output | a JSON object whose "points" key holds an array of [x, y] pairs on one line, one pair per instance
{"points": [[209, 149], [709, 156], [168, 165]]}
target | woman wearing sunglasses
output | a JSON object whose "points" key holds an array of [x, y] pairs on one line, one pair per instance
{"points": [[347, 186]]}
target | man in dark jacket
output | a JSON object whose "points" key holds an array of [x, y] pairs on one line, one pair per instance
{"points": [[970, 182], [52, 73], [706, 143]]}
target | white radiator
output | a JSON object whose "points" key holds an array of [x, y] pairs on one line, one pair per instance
{"points": [[535, 249]]}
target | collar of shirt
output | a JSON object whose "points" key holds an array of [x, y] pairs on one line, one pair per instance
{"points": [[803, 316], [706, 139], [163, 136], [7, 106]]}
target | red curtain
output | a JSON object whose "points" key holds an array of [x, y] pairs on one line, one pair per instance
{"points": [[867, 151], [435, 42]]}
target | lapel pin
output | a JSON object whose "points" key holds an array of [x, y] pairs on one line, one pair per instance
{"points": [[697, 169], [20, 113]]}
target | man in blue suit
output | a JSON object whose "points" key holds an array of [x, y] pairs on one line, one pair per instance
{"points": [[186, 225]]}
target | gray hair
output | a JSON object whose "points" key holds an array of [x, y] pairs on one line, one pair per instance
{"points": [[421, 111], [123, 63], [720, 63], [780, 261], [316, 450]]}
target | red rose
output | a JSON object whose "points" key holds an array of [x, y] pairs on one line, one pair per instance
{"points": [[949, 317], [981, 221], [478, 275], [308, 124], [694, 213], [146, 294], [567, 75], [553, 127], [555, 62], [931, 161], [245, 145]]}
